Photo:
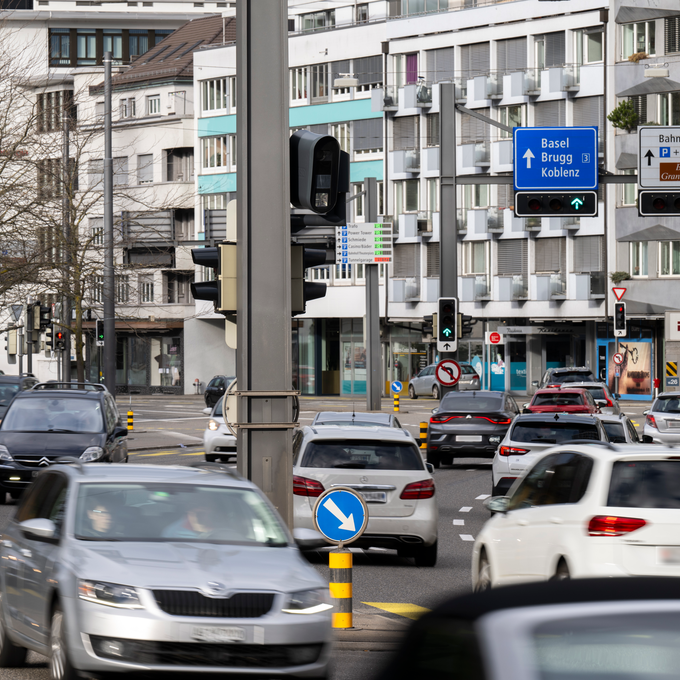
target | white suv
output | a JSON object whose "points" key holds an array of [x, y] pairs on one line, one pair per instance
{"points": [[385, 466]]}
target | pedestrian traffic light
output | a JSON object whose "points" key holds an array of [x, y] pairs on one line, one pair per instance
{"points": [[447, 325], [464, 325], [59, 341], [49, 339], [99, 332], [658, 203], [540, 204], [222, 289], [301, 258], [620, 320], [314, 171], [45, 316]]}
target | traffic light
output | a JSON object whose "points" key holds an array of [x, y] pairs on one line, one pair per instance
{"points": [[11, 345], [620, 320], [36, 316], [658, 203], [45, 316], [222, 289], [464, 325], [428, 324], [99, 332], [540, 204], [314, 171], [59, 341], [447, 325], [302, 291], [49, 339]]}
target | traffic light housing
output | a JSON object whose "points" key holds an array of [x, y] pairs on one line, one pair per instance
{"points": [[36, 316], [620, 326], [557, 204], [428, 324], [222, 289], [658, 203], [447, 325], [301, 258], [45, 317], [49, 339], [464, 325], [59, 340], [99, 332], [11, 345]]}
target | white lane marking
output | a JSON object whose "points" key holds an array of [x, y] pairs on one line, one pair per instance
{"points": [[467, 537], [181, 435], [166, 420], [484, 496], [458, 522], [465, 508]]}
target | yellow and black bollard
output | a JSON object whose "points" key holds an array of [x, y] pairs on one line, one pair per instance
{"points": [[340, 562], [396, 403], [423, 435], [131, 418]]}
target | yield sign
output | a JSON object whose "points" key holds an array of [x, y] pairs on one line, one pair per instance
{"points": [[618, 293]]}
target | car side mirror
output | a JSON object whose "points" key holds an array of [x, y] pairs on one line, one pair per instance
{"points": [[617, 396], [497, 504], [430, 468], [39, 529], [120, 431], [646, 439], [534, 383], [207, 411], [434, 410], [308, 539], [644, 413]]}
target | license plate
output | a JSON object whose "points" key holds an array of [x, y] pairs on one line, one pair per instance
{"points": [[673, 423], [668, 555], [468, 438], [212, 634], [374, 496]]}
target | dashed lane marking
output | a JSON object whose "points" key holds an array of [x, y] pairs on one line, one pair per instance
{"points": [[458, 522], [200, 453], [465, 508], [410, 611], [467, 537], [483, 497]]}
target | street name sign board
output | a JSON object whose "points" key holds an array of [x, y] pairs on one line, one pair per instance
{"points": [[447, 372], [659, 157], [363, 243], [555, 158], [341, 514]]}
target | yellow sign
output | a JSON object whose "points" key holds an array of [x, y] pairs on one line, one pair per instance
{"points": [[671, 369]]}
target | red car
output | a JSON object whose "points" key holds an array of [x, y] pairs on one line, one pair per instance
{"points": [[562, 400]]}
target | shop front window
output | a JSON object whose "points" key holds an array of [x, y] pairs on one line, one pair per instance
{"points": [[353, 356], [306, 382], [518, 365], [166, 362]]}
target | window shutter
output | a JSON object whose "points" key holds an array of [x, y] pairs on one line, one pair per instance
{"points": [[640, 105], [406, 133], [475, 59], [433, 259], [554, 49], [590, 111], [472, 129], [672, 34], [512, 257], [506, 196], [439, 65], [433, 129], [338, 68], [406, 262], [550, 113], [551, 255], [512, 55], [368, 70], [367, 134], [588, 254]]}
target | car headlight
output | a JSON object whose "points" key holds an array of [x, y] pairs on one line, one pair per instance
{"points": [[110, 594], [213, 425], [91, 453], [308, 602], [5, 454]]}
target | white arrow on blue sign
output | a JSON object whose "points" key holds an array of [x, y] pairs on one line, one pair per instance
{"points": [[396, 387], [555, 158], [341, 515]]}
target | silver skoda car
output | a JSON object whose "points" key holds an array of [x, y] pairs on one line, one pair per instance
{"points": [[123, 568]]}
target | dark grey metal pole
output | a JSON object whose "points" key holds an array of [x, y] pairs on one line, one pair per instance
{"points": [[373, 354], [68, 255], [264, 357], [109, 280], [29, 337]]}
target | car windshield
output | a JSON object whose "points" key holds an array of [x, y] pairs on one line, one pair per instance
{"points": [[218, 408], [54, 414], [645, 484], [573, 376], [357, 454], [635, 646], [352, 423], [7, 392], [558, 399], [615, 432], [552, 432], [667, 405], [597, 392], [167, 512], [469, 404]]}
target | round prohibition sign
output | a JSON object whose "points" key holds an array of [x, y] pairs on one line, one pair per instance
{"points": [[495, 338], [340, 515], [447, 372], [618, 358]]}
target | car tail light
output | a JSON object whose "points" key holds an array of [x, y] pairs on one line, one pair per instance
{"points": [[498, 420], [604, 525], [306, 487], [550, 387], [651, 421], [512, 451], [418, 491], [443, 419]]}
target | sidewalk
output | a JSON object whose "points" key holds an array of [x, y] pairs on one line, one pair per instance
{"points": [[372, 632]]}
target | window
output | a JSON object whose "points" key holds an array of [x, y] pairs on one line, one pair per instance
{"points": [[638, 37], [319, 82], [551, 255], [433, 195], [406, 196], [341, 132], [369, 72], [160, 34], [316, 21], [513, 257], [343, 272], [153, 105], [214, 94], [669, 264], [672, 35], [638, 258], [663, 109], [588, 45], [215, 151], [50, 108], [122, 288], [475, 257], [367, 136], [440, 65], [180, 164], [432, 129], [113, 42], [475, 196], [421, 6], [97, 227], [406, 133], [97, 289], [145, 168], [120, 171], [177, 288], [128, 108], [146, 289], [588, 254], [406, 260], [298, 84], [87, 47], [362, 13], [138, 42], [512, 116], [357, 188], [95, 173], [511, 55], [433, 260], [406, 68], [49, 177], [60, 47]]}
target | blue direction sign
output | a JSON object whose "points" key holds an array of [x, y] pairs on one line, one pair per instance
{"points": [[396, 386], [555, 158], [341, 515]]}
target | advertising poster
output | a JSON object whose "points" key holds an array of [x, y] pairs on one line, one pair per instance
{"points": [[636, 369]]}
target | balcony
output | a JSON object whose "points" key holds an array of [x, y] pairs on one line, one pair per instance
{"points": [[425, 222], [406, 289], [460, 91], [532, 223], [385, 98], [551, 286], [494, 220], [565, 78], [417, 95], [462, 220], [525, 83], [598, 285], [520, 287], [406, 160], [494, 85], [482, 289], [475, 154], [573, 222]]}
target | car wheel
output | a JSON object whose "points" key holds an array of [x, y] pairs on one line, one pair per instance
{"points": [[483, 573], [60, 665], [435, 391], [211, 457], [11, 656], [427, 557], [433, 459], [562, 572], [412, 393]]}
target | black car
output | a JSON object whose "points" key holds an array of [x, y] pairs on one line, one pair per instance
{"points": [[469, 425], [55, 420], [554, 377], [216, 388], [10, 386]]}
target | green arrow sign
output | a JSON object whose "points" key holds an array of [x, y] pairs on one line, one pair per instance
{"points": [[577, 203], [447, 332]]}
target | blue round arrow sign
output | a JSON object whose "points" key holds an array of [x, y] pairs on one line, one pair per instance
{"points": [[341, 515], [396, 387]]}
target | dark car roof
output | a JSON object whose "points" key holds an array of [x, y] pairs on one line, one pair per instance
{"points": [[349, 416], [15, 378], [568, 417]]}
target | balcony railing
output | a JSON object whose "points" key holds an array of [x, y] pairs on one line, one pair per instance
{"points": [[520, 287], [406, 160], [390, 97], [571, 77], [424, 221], [460, 89], [462, 219], [483, 153], [482, 288], [558, 286], [412, 289], [494, 219], [494, 85], [598, 285], [532, 223]]}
